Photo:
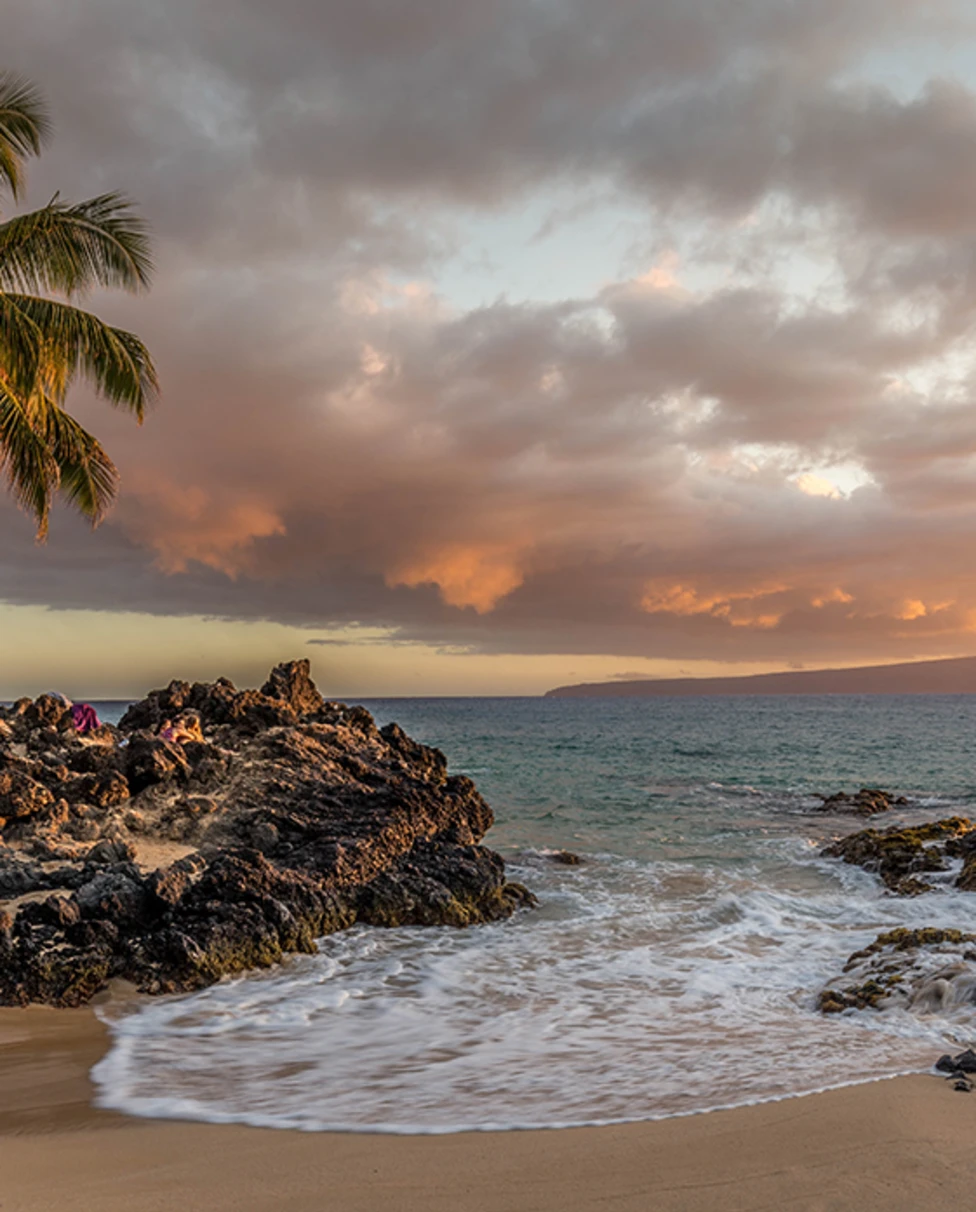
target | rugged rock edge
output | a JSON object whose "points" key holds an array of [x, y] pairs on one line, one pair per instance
{"points": [[172, 865], [924, 969]]}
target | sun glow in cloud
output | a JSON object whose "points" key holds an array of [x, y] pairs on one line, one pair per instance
{"points": [[817, 486], [836, 596], [663, 276], [475, 576], [740, 608], [912, 608]]}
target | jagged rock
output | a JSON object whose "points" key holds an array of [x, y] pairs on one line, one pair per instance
{"points": [[117, 895], [105, 789], [157, 706], [111, 852], [287, 695], [47, 711], [566, 858], [926, 969], [19, 876], [869, 801], [967, 877], [899, 855], [62, 910], [439, 883], [22, 796], [292, 684], [170, 885], [964, 1062], [149, 760], [304, 818]]}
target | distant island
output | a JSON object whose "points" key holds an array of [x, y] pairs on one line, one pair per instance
{"points": [[954, 676]]}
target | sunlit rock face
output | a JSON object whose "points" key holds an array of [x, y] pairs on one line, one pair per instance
{"points": [[907, 858]]}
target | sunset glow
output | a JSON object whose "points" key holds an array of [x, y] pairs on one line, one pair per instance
{"points": [[648, 348]]}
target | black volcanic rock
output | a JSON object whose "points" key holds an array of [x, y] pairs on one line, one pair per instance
{"points": [[926, 969], [900, 856], [869, 801], [291, 818]]}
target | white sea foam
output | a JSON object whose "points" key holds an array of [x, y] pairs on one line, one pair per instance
{"points": [[639, 989]]}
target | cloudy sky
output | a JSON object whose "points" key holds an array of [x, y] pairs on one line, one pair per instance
{"points": [[506, 343]]}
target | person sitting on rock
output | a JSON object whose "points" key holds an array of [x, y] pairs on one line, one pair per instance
{"points": [[84, 717], [185, 728]]}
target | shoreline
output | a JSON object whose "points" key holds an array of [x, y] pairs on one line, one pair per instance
{"points": [[897, 1143]]}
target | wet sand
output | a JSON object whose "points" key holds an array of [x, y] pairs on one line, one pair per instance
{"points": [[905, 1145]]}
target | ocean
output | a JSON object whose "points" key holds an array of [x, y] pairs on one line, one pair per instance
{"points": [[675, 970]]}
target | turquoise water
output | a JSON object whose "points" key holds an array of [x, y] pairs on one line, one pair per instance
{"points": [[621, 774], [675, 970]]}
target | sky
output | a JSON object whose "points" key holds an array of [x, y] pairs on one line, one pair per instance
{"points": [[510, 343]]}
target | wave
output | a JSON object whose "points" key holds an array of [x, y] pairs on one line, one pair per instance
{"points": [[639, 990]]}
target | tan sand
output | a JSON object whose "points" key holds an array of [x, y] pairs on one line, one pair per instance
{"points": [[906, 1145]]}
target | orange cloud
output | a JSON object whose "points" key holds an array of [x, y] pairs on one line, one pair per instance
{"points": [[187, 524], [466, 575], [837, 595], [763, 621], [678, 599], [912, 608], [733, 606], [663, 275]]}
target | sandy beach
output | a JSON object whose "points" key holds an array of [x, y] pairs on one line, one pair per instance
{"points": [[904, 1144]]}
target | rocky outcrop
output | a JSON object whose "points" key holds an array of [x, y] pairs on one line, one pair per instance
{"points": [[961, 1069], [918, 970], [901, 856], [123, 854], [869, 801], [921, 970]]}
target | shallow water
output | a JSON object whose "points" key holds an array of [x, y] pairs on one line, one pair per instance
{"points": [[674, 971]]}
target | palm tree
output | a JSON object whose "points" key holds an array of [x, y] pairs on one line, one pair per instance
{"points": [[46, 342]]}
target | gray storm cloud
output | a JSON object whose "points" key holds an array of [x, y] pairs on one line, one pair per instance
{"points": [[650, 470]]}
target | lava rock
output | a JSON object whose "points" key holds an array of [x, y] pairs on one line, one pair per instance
{"points": [[869, 801], [925, 970], [296, 817], [900, 855], [109, 851], [150, 760]]}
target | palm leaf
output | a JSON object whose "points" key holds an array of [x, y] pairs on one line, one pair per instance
{"points": [[87, 477], [20, 347], [114, 361], [27, 459], [24, 125], [69, 248]]}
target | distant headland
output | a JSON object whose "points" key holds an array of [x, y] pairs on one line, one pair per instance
{"points": [[953, 676]]}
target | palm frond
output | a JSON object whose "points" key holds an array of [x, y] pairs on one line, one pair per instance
{"points": [[27, 459], [20, 347], [114, 361], [70, 248], [87, 477], [24, 125]]}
